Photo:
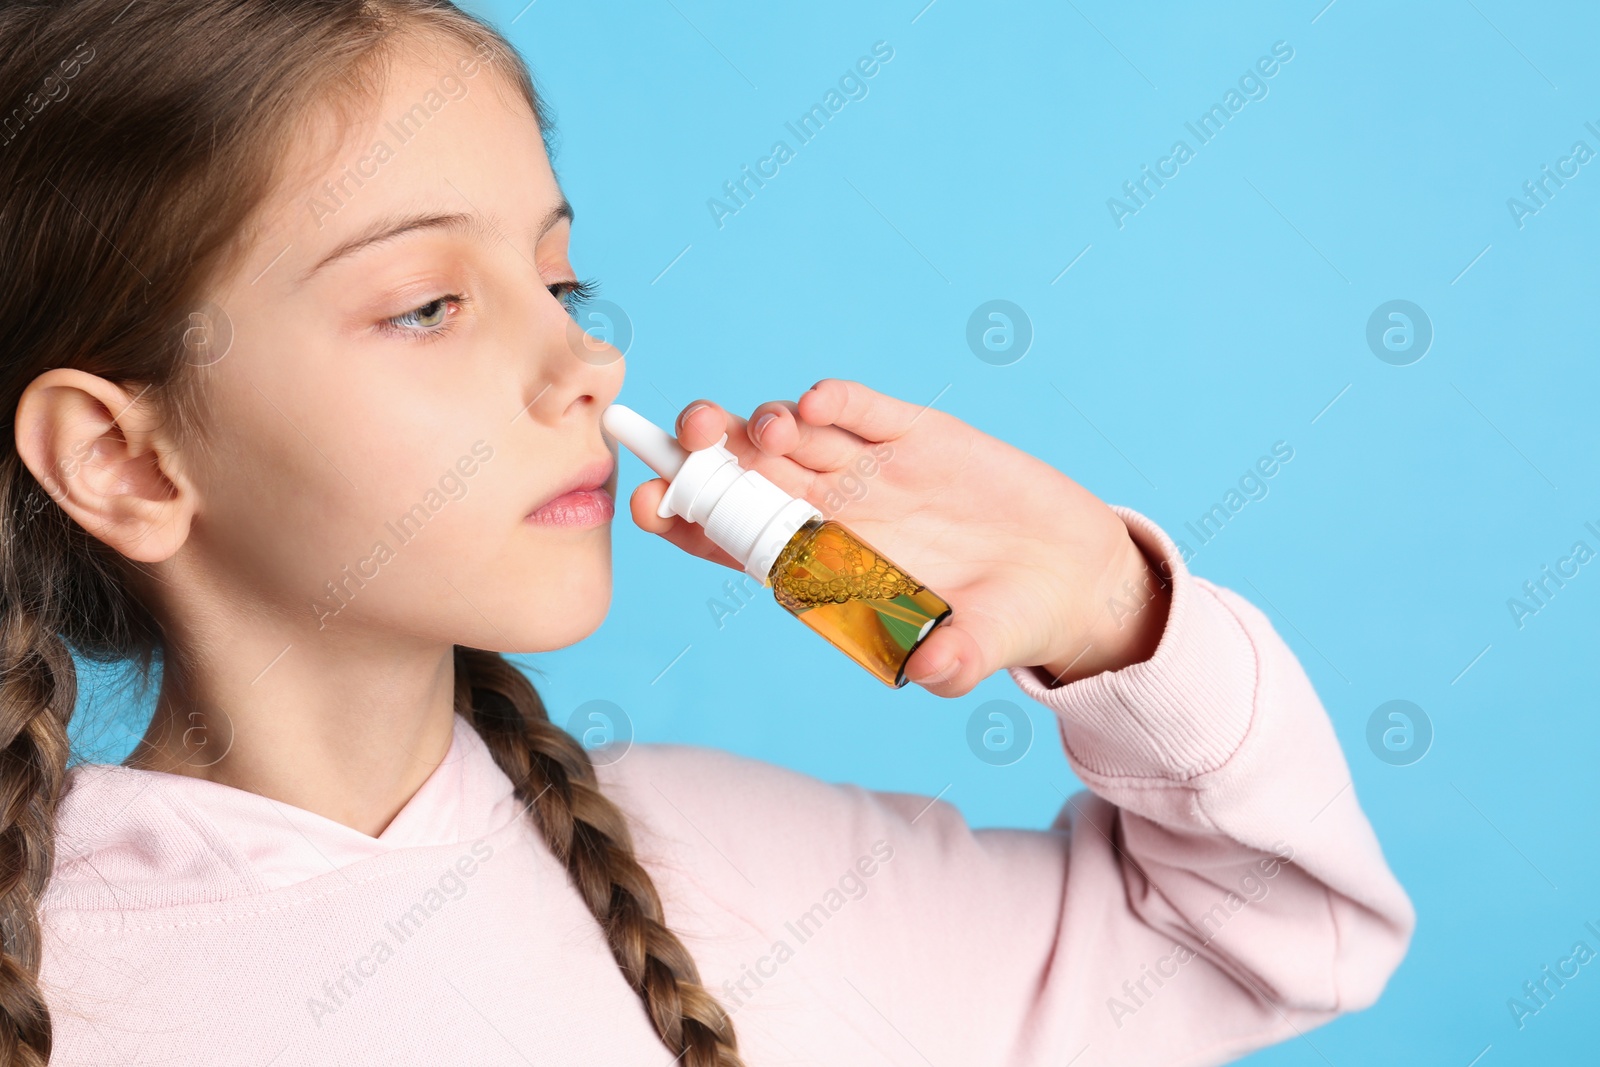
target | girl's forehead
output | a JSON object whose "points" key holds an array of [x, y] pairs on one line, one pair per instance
{"points": [[446, 131]]}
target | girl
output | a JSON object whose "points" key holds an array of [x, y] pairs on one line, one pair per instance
{"points": [[300, 414]]}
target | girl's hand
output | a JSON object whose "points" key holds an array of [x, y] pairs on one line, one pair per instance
{"points": [[1037, 570]]}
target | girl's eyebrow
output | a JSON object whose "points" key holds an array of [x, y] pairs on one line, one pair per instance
{"points": [[388, 229]]}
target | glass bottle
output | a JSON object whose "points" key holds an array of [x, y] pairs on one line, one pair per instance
{"points": [[862, 602], [856, 597]]}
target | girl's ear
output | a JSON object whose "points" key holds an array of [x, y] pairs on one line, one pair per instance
{"points": [[103, 453]]}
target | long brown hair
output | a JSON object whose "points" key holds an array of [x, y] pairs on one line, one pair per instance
{"points": [[135, 143]]}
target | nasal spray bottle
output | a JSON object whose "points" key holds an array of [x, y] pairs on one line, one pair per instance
{"points": [[826, 576]]}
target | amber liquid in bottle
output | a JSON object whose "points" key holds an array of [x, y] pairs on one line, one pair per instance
{"points": [[856, 597]]}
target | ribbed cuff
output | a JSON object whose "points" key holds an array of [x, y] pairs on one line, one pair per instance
{"points": [[1179, 714]]}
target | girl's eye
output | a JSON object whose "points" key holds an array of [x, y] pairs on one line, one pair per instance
{"points": [[424, 319], [574, 294]]}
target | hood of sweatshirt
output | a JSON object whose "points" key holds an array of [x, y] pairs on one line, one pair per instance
{"points": [[133, 838]]}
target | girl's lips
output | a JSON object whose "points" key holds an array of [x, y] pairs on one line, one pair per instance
{"points": [[583, 500], [581, 507]]}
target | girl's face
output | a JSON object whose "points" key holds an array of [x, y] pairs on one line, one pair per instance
{"points": [[404, 385]]}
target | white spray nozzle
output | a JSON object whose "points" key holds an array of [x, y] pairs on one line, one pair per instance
{"points": [[659, 450], [741, 511]]}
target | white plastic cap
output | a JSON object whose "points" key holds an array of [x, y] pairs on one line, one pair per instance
{"points": [[741, 512]]}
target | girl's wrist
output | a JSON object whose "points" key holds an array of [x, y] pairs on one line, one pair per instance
{"points": [[1124, 625]]}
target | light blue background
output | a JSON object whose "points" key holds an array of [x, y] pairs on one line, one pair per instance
{"points": [[1225, 316]]}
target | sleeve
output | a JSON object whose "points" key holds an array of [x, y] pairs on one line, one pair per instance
{"points": [[1217, 889]]}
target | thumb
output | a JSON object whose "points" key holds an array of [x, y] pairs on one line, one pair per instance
{"points": [[957, 655]]}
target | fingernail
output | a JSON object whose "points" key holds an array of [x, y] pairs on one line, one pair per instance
{"points": [[683, 420], [937, 675], [760, 425]]}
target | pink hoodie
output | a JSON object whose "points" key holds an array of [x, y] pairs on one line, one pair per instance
{"points": [[1219, 890]]}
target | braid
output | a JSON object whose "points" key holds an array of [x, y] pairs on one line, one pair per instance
{"points": [[553, 775], [38, 687]]}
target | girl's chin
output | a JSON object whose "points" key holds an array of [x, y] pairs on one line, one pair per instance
{"points": [[566, 617]]}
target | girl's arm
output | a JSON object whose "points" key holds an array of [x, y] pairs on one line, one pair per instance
{"points": [[1220, 889]]}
